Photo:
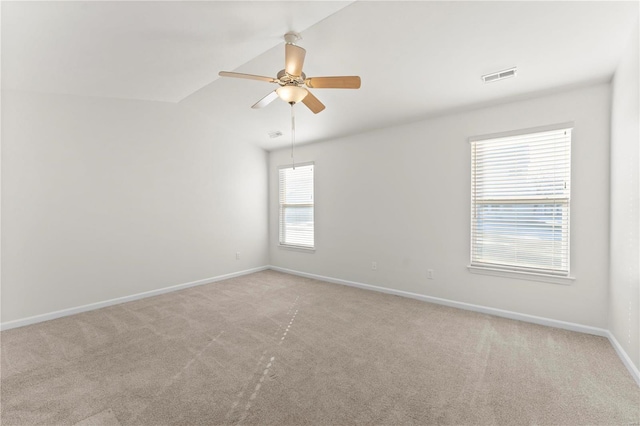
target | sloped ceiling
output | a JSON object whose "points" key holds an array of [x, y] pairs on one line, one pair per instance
{"points": [[158, 50], [416, 59]]}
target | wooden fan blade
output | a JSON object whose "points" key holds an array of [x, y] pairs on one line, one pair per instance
{"points": [[247, 76], [313, 103], [272, 96], [293, 59], [344, 82]]}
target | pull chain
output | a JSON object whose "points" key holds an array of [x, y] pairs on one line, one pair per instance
{"points": [[293, 135]]}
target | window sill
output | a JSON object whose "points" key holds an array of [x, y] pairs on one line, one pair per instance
{"points": [[521, 275], [297, 248]]}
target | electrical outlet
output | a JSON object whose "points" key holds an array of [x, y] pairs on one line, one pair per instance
{"points": [[237, 255], [430, 274], [374, 266]]}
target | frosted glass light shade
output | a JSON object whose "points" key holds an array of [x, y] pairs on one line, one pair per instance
{"points": [[291, 93]]}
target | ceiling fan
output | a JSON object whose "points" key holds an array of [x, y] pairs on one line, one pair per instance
{"points": [[293, 82]]}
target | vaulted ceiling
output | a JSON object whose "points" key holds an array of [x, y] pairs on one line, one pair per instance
{"points": [[416, 59]]}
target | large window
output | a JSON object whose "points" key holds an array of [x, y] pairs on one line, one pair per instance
{"points": [[296, 205], [520, 197]]}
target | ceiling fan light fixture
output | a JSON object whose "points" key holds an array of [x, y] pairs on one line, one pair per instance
{"points": [[291, 94], [292, 81]]}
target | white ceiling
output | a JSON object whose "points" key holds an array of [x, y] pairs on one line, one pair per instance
{"points": [[159, 50], [416, 59]]}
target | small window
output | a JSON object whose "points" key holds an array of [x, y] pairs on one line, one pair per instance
{"points": [[296, 206], [520, 199]]}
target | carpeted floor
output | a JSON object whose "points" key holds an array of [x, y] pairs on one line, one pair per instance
{"points": [[271, 348]]}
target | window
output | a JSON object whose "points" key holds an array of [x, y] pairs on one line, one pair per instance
{"points": [[520, 197], [296, 205]]}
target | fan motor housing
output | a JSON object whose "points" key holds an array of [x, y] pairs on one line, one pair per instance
{"points": [[285, 79]]}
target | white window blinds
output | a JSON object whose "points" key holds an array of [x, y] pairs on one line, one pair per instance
{"points": [[520, 194], [296, 206]]}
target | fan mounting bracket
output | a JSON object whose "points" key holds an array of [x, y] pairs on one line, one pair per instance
{"points": [[291, 37]]}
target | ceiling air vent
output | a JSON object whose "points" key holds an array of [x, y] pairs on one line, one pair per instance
{"points": [[500, 75]]}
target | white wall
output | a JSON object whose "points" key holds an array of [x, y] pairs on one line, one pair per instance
{"points": [[108, 198], [401, 196], [624, 296]]}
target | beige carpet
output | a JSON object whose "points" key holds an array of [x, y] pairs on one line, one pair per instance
{"points": [[271, 348]]}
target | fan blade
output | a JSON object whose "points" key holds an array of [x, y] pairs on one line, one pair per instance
{"points": [[247, 76], [313, 103], [293, 59], [344, 82], [272, 96]]}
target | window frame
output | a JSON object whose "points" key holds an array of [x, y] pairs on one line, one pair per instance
{"points": [[513, 271], [281, 210]]}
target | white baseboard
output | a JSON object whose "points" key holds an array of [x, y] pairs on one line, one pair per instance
{"points": [[626, 360], [460, 305], [92, 306]]}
